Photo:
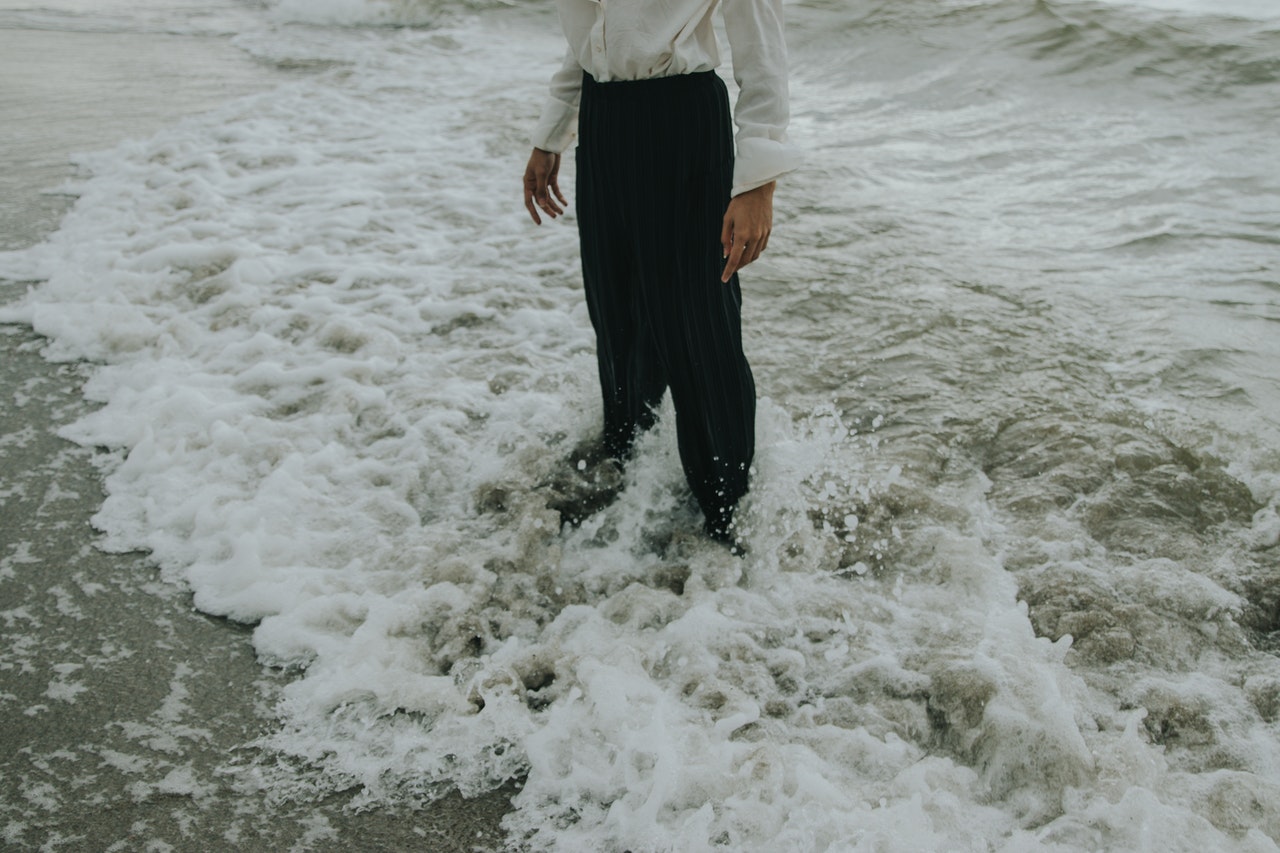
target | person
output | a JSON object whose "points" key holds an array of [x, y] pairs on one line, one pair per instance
{"points": [[668, 214]]}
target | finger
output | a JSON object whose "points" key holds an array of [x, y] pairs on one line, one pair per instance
{"points": [[750, 251], [726, 237], [555, 209], [555, 182], [528, 202], [733, 264], [544, 198], [758, 245]]}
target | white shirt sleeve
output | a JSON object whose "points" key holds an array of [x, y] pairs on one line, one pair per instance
{"points": [[558, 124], [759, 51]]}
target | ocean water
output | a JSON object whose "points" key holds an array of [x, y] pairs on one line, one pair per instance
{"points": [[1013, 579]]}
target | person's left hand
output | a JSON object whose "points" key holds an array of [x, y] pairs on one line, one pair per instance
{"points": [[747, 224]]}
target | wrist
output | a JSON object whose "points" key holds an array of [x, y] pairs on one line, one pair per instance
{"points": [[764, 191]]}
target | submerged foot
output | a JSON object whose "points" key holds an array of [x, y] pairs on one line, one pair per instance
{"points": [[589, 481]]}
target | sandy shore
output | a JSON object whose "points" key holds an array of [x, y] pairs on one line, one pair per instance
{"points": [[123, 706]]}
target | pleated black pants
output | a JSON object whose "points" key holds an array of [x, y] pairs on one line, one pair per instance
{"points": [[655, 167]]}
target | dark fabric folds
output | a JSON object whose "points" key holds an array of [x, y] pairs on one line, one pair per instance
{"points": [[655, 168]]}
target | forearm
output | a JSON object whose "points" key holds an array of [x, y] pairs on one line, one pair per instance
{"points": [[558, 123]]}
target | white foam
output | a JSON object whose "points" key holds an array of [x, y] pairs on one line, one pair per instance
{"points": [[354, 12], [1262, 10], [324, 330], [211, 17]]}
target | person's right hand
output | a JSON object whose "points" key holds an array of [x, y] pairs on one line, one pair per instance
{"points": [[542, 174]]}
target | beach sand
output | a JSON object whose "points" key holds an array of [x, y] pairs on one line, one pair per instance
{"points": [[123, 705]]}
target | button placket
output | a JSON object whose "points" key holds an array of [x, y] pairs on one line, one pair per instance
{"points": [[597, 32]]}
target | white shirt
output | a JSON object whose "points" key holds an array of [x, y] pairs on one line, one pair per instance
{"points": [[639, 39]]}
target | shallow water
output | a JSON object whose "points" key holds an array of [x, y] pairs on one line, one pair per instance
{"points": [[1012, 580], [115, 79]]}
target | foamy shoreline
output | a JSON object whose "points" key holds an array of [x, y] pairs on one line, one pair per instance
{"points": [[1013, 559], [121, 702]]}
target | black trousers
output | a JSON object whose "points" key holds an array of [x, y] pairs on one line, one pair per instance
{"points": [[655, 167]]}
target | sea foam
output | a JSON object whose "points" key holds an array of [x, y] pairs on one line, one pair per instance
{"points": [[337, 370]]}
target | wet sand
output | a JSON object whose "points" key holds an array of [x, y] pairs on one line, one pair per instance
{"points": [[124, 707]]}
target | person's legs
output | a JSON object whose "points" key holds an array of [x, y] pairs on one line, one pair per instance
{"points": [[632, 377], [655, 166], [695, 318], [698, 316]]}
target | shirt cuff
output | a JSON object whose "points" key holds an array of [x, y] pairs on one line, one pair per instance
{"points": [[557, 127], [760, 161]]}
